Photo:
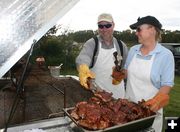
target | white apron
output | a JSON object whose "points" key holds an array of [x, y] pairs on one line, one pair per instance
{"points": [[103, 72], [139, 85]]}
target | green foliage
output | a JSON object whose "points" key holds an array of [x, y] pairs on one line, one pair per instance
{"points": [[53, 30], [173, 109], [65, 47], [171, 37], [51, 48], [127, 36], [82, 36]]}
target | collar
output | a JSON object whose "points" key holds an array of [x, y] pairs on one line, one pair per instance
{"points": [[156, 50]]}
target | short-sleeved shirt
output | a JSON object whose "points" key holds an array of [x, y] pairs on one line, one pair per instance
{"points": [[162, 72], [86, 54]]}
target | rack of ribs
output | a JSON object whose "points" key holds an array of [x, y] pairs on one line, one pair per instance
{"points": [[102, 111]]}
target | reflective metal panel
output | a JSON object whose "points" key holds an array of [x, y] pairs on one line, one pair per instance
{"points": [[22, 21]]}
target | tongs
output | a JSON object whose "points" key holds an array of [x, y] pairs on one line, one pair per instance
{"points": [[118, 61], [93, 86]]}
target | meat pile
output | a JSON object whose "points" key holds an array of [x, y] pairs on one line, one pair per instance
{"points": [[102, 111]]}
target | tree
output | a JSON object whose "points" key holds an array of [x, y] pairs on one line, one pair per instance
{"points": [[65, 47]]}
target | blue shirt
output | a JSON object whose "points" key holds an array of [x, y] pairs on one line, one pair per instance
{"points": [[162, 72]]}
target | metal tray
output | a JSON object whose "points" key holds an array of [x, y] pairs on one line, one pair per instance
{"points": [[133, 126]]}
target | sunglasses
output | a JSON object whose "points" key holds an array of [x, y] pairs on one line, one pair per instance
{"points": [[105, 25], [138, 29]]}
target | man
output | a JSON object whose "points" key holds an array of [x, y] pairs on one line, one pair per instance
{"points": [[103, 59], [150, 68]]}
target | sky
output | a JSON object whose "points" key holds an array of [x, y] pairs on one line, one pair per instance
{"points": [[83, 16]]}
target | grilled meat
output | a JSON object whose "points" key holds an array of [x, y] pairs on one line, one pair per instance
{"points": [[104, 111]]}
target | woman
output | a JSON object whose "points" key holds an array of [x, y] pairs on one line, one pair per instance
{"points": [[150, 68]]}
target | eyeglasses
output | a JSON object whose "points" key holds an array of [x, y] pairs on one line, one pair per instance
{"points": [[138, 29], [105, 25]]}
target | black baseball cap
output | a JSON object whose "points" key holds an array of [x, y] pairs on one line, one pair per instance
{"points": [[146, 20]]}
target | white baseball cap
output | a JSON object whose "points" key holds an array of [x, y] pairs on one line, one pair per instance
{"points": [[105, 17]]}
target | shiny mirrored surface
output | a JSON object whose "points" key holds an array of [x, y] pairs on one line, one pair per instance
{"points": [[22, 21]]}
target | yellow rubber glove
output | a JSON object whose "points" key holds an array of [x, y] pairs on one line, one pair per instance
{"points": [[115, 82], [84, 74], [117, 76], [158, 101]]}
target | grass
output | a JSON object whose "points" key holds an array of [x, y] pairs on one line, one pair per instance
{"points": [[173, 109]]}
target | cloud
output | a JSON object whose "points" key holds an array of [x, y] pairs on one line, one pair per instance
{"points": [[84, 15]]}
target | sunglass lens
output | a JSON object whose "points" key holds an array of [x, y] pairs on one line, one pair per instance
{"points": [[106, 26], [138, 30], [101, 26]]}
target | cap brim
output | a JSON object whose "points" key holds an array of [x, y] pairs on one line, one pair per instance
{"points": [[135, 25]]}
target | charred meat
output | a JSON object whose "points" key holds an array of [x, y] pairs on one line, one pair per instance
{"points": [[103, 111]]}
